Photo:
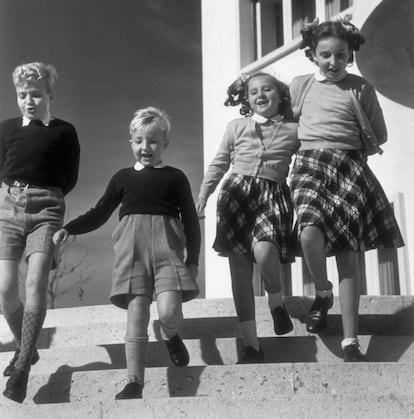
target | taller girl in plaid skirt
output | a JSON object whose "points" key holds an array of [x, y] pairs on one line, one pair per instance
{"points": [[341, 208], [254, 209]]}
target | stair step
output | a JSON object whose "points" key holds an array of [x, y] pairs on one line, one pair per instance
{"points": [[247, 381], [224, 351], [340, 406]]}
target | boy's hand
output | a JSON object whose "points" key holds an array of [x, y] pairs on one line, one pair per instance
{"points": [[193, 270], [201, 204], [60, 236]]}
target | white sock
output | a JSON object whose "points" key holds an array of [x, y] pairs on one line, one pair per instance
{"points": [[249, 333], [275, 300], [349, 341]]}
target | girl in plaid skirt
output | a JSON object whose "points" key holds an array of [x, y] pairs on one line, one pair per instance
{"points": [[254, 210], [341, 208]]}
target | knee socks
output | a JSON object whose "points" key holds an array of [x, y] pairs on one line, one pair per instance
{"points": [[169, 328], [275, 300], [32, 325], [136, 356], [15, 322]]}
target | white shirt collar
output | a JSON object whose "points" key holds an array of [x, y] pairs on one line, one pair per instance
{"points": [[320, 77], [138, 166], [262, 119], [46, 120]]}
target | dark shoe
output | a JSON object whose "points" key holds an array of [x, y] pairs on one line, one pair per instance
{"points": [[16, 386], [132, 390], [178, 352], [316, 320], [353, 353], [251, 356], [9, 369], [281, 321]]}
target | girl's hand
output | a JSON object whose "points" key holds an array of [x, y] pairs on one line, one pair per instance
{"points": [[201, 204], [193, 270], [60, 236]]}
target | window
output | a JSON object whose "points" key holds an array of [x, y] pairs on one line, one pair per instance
{"points": [[333, 7], [303, 11]]}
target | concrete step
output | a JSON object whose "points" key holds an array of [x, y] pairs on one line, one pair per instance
{"points": [[105, 325], [223, 351], [242, 381], [401, 306], [295, 406]]}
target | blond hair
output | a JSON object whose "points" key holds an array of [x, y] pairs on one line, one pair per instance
{"points": [[34, 72], [150, 115]]}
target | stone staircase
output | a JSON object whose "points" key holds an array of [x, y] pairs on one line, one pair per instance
{"points": [[82, 366]]}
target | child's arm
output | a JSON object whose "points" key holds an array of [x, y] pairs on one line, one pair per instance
{"points": [[373, 111], [190, 222], [217, 169], [72, 154], [95, 217]]}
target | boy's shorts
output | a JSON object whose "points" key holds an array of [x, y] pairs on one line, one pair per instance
{"points": [[28, 219], [149, 258]]}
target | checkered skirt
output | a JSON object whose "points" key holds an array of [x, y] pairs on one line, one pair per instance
{"points": [[336, 191], [251, 209]]}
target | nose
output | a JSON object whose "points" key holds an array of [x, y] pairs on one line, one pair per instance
{"points": [[146, 145], [332, 60]]}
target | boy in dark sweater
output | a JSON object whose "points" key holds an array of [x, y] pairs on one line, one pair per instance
{"points": [[39, 160], [158, 223]]}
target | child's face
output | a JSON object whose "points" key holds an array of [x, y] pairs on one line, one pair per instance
{"points": [[33, 99], [263, 96], [148, 144], [332, 55]]}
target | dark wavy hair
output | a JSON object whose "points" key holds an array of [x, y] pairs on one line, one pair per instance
{"points": [[237, 94], [342, 29]]}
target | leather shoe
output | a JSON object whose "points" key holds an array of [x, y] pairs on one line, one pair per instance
{"points": [[316, 319], [16, 386], [9, 369], [178, 352], [251, 356], [353, 353], [281, 321], [133, 390]]}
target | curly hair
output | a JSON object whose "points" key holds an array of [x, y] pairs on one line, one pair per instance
{"points": [[35, 72], [341, 28], [237, 94]]}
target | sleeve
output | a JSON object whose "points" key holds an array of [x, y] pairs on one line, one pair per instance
{"points": [[97, 216], [220, 164], [373, 111], [71, 162], [190, 221]]}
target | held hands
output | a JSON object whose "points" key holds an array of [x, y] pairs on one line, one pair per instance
{"points": [[201, 204], [60, 236]]}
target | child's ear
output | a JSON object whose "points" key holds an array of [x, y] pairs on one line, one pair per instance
{"points": [[166, 142]]}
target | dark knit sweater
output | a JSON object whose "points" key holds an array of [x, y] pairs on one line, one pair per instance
{"points": [[156, 191], [40, 155]]}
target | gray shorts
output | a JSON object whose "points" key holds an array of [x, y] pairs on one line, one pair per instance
{"points": [[28, 219], [149, 258]]}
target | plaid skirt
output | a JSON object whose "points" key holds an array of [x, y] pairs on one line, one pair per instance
{"points": [[250, 210], [336, 191]]}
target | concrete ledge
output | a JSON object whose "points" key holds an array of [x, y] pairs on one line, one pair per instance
{"points": [[241, 381], [393, 405]]}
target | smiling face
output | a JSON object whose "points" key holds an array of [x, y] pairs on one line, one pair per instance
{"points": [[332, 55], [147, 145], [33, 99], [263, 96]]}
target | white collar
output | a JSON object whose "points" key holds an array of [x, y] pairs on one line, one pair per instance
{"points": [[262, 119], [46, 120], [320, 77], [138, 166]]}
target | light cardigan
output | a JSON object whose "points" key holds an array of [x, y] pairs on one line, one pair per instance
{"points": [[267, 158]]}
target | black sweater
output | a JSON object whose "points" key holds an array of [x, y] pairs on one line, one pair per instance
{"points": [[40, 155], [156, 191]]}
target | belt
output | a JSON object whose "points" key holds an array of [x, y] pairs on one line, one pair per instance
{"points": [[20, 184]]}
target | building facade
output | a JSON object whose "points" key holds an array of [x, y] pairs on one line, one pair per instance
{"points": [[244, 36]]}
